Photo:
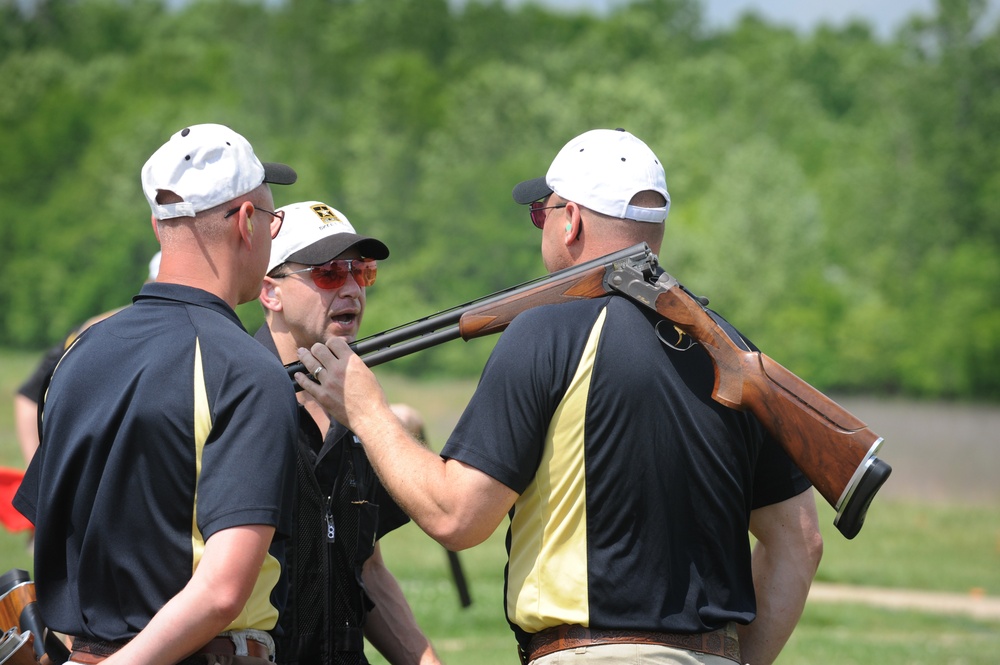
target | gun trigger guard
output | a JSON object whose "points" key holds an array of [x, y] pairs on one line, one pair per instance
{"points": [[682, 338]]}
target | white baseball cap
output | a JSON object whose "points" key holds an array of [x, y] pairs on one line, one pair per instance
{"points": [[206, 166], [602, 170], [314, 233]]}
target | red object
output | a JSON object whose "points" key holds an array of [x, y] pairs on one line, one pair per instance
{"points": [[10, 480]]}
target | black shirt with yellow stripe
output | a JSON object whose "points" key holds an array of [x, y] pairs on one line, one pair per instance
{"points": [[635, 485]]}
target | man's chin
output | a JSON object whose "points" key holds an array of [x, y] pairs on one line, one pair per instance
{"points": [[349, 332]]}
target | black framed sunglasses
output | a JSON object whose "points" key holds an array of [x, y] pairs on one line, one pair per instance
{"points": [[280, 216], [537, 211]]}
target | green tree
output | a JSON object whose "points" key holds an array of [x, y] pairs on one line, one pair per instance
{"points": [[833, 193]]}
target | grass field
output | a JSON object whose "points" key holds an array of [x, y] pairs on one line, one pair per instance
{"points": [[934, 547]]}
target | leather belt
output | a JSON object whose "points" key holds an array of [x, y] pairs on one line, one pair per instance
{"points": [[722, 642], [225, 646], [91, 651], [85, 657]]}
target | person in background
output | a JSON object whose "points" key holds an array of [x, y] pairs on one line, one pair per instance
{"points": [[411, 420], [160, 492], [342, 591], [630, 491], [30, 393]]}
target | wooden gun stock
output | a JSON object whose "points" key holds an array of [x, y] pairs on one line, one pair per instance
{"points": [[19, 609], [490, 318], [835, 450]]}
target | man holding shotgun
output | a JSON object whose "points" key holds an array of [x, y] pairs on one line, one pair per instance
{"points": [[630, 491]]}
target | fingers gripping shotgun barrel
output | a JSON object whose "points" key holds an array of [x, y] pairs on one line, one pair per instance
{"points": [[835, 450]]}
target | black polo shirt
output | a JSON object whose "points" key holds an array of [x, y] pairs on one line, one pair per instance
{"points": [[635, 485], [163, 425]]}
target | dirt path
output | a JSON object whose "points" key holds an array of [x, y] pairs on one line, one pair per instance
{"points": [[975, 605]]}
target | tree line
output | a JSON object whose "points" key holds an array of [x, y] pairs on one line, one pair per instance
{"points": [[834, 193]]}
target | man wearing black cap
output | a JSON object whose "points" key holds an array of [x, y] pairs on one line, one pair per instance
{"points": [[630, 489], [159, 489], [341, 590]]}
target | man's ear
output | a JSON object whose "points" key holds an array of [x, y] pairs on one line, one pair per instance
{"points": [[574, 223], [270, 295], [156, 229], [245, 223]]}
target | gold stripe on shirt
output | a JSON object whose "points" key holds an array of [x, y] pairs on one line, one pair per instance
{"points": [[547, 575]]}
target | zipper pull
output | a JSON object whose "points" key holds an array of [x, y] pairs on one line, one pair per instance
{"points": [[331, 531]]}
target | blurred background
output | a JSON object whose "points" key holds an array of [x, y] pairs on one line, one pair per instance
{"points": [[834, 188], [833, 168]]}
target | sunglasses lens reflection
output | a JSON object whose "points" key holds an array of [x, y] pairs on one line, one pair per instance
{"points": [[333, 275], [537, 213]]}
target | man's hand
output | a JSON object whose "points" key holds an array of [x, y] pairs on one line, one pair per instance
{"points": [[455, 504], [343, 386]]}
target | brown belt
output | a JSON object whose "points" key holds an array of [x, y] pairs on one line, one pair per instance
{"points": [[226, 647], [722, 642], [90, 651]]}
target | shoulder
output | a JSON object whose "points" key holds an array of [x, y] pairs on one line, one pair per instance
{"points": [[547, 334]]}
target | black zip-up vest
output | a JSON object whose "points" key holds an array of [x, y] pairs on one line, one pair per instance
{"points": [[336, 526]]}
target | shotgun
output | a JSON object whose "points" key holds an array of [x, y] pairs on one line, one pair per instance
{"points": [[835, 450], [19, 610]]}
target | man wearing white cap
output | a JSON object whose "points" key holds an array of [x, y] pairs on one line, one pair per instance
{"points": [[159, 490], [631, 490], [341, 590]]}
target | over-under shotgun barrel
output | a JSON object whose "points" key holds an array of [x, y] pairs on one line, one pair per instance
{"points": [[476, 321]]}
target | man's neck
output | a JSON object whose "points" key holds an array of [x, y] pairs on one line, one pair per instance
{"points": [[284, 342], [199, 277], [287, 348]]}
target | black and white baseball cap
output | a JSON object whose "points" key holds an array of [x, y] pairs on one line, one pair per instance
{"points": [[314, 232]]}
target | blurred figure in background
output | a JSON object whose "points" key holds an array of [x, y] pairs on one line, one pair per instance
{"points": [[26, 400], [29, 394], [411, 420]]}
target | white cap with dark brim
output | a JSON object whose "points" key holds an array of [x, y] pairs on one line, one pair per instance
{"points": [[206, 166], [314, 233], [602, 170]]}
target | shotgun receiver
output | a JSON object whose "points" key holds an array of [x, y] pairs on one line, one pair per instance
{"points": [[834, 450]]}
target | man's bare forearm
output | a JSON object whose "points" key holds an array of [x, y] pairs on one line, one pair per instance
{"points": [[391, 626], [785, 559]]}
